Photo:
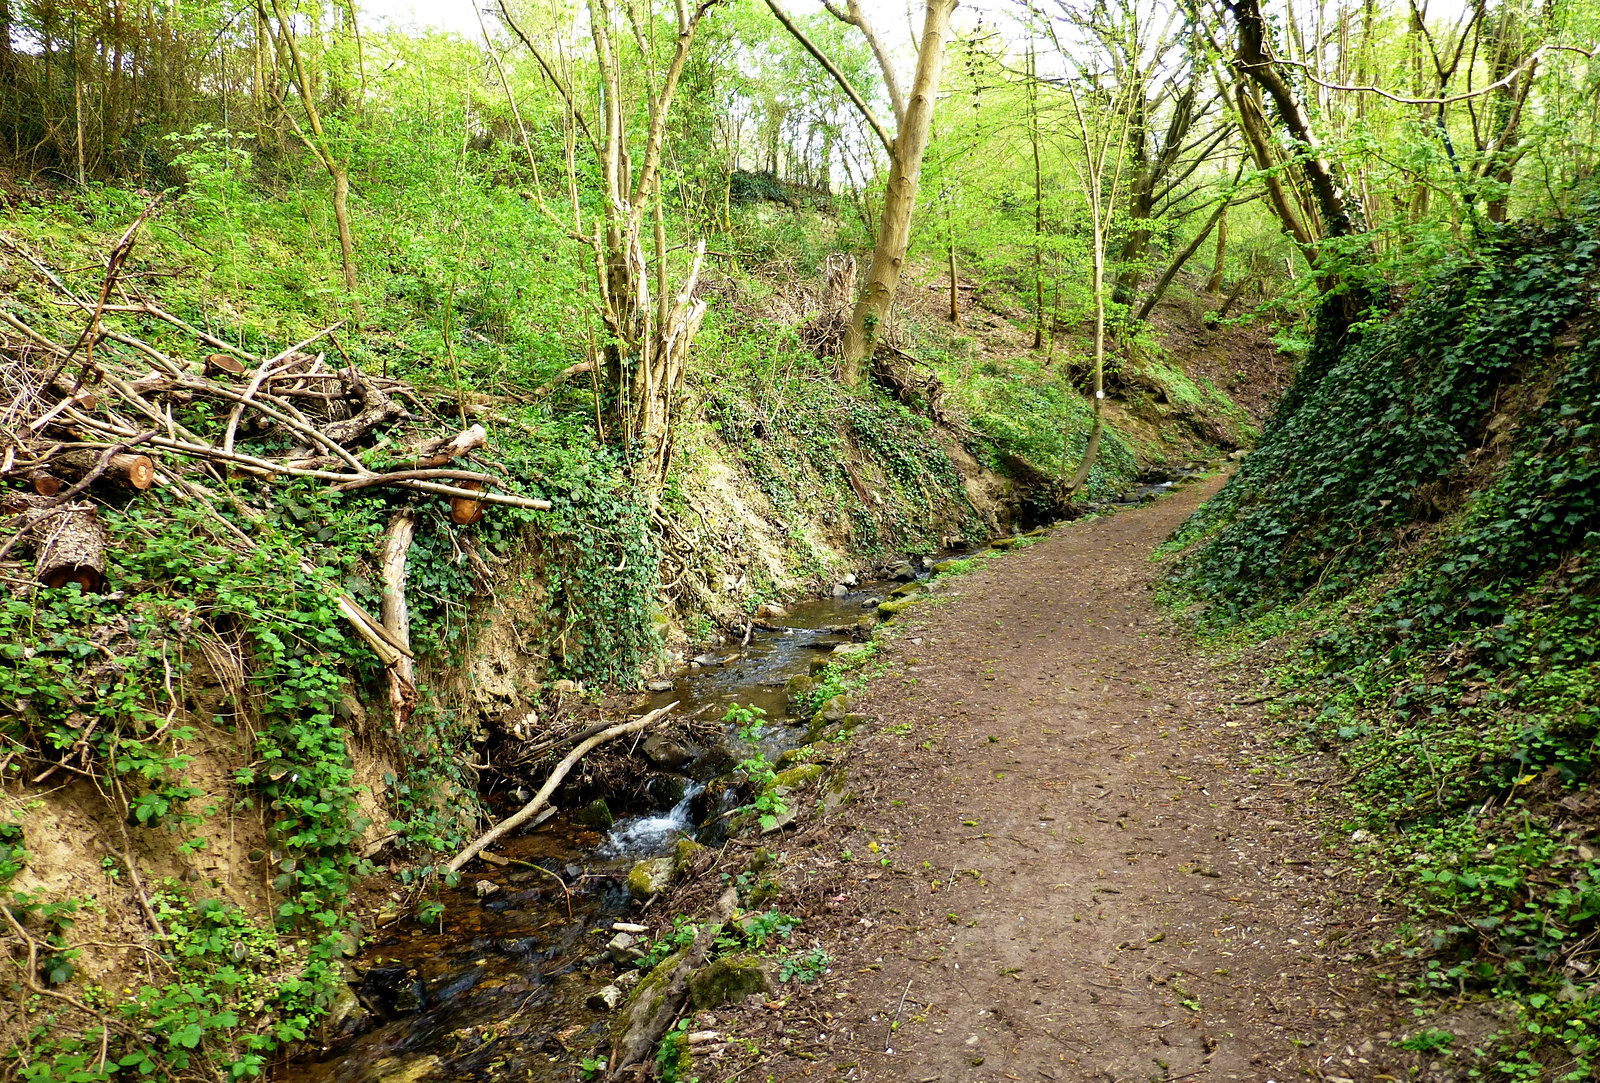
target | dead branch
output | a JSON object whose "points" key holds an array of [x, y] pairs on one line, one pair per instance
{"points": [[556, 777]]}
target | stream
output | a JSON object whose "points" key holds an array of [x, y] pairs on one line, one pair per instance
{"points": [[504, 987]]}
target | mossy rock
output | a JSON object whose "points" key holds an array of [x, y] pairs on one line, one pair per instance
{"points": [[795, 777], [945, 567], [895, 607], [798, 686], [650, 877], [729, 980], [908, 589], [596, 814], [1002, 543], [683, 852]]}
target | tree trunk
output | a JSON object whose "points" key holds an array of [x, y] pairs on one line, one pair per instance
{"points": [[1219, 265], [905, 169], [129, 471]]}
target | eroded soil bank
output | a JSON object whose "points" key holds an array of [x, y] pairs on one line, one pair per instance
{"points": [[1078, 853]]}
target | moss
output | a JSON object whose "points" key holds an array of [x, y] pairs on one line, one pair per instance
{"points": [[896, 607], [729, 980], [650, 877], [795, 777]]}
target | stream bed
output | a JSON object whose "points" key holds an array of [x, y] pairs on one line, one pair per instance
{"points": [[503, 988]]}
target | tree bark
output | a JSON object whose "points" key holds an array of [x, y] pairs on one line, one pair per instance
{"points": [[1219, 264], [71, 545], [129, 471], [905, 170], [1252, 59], [395, 615]]}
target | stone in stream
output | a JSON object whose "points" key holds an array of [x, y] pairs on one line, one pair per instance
{"points": [[770, 611], [914, 587], [944, 567], [797, 686], [869, 602], [850, 580], [485, 888], [649, 877], [604, 999], [666, 752], [660, 686], [840, 590], [895, 607], [729, 980], [683, 852], [902, 570], [596, 814], [404, 1070]]}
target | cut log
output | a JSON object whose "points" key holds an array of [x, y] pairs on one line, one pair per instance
{"points": [[221, 365], [442, 449], [395, 615], [465, 512], [71, 543], [128, 470], [45, 484]]}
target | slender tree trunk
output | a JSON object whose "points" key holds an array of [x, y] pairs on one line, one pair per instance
{"points": [[905, 169], [1038, 189], [1219, 265]]}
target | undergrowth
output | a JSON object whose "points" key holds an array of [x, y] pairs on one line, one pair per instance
{"points": [[1425, 523]]}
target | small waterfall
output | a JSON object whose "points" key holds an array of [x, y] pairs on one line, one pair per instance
{"points": [[644, 836]]}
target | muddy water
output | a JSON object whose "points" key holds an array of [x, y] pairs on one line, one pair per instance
{"points": [[500, 990]]}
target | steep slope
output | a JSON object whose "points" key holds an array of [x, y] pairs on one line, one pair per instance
{"points": [[1425, 520]]}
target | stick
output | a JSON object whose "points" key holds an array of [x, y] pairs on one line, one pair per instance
{"points": [[549, 787]]}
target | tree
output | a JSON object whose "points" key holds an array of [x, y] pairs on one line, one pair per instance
{"points": [[914, 125], [313, 134], [648, 343]]}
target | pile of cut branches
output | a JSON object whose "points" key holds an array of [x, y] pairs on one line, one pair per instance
{"points": [[108, 410]]}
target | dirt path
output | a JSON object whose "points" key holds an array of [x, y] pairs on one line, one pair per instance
{"points": [[1135, 895]]}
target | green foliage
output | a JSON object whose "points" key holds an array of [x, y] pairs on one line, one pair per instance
{"points": [[1429, 506], [803, 966]]}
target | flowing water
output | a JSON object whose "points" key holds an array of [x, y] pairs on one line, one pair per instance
{"points": [[500, 990]]}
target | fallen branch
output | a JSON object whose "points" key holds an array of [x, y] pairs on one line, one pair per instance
{"points": [[396, 616], [556, 777]]}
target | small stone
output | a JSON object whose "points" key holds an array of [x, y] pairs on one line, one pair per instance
{"points": [[871, 601], [650, 877], [770, 611], [566, 688], [707, 660], [485, 888], [660, 686], [604, 999], [850, 580], [840, 590], [596, 814], [617, 947]]}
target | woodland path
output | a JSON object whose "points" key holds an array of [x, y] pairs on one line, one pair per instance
{"points": [[1138, 891]]}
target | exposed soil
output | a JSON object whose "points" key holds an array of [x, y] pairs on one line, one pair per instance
{"points": [[1078, 852]]}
